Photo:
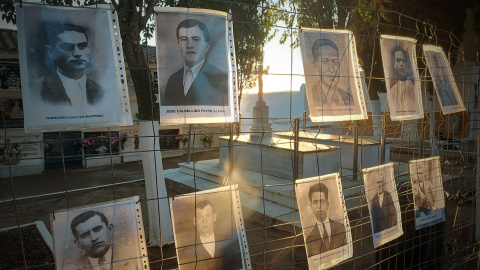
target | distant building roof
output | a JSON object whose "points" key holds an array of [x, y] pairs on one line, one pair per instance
{"points": [[8, 40]]}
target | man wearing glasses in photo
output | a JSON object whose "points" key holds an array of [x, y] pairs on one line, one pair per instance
{"points": [[327, 64]]}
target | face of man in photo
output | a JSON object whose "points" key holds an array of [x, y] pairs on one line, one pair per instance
{"points": [[71, 54], [381, 184], [205, 221], [192, 45], [327, 66], [319, 205], [94, 237], [400, 65]]}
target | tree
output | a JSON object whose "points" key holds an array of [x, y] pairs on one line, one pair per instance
{"points": [[367, 19], [252, 20]]}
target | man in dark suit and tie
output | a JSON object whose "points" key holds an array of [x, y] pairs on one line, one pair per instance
{"points": [[197, 82], [212, 249], [383, 210], [327, 234]]}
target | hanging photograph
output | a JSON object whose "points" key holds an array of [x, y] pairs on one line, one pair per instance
{"points": [[427, 188], [334, 88], [208, 230], [382, 199], [12, 110], [325, 224], [401, 77], [103, 236], [71, 67], [196, 66], [443, 81]]}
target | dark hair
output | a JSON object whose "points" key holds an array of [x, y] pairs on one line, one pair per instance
{"points": [[56, 28], [318, 187], [320, 43], [399, 49], [380, 177], [83, 217], [203, 204], [188, 23]]}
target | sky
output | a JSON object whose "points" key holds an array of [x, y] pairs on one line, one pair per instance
{"points": [[277, 57]]}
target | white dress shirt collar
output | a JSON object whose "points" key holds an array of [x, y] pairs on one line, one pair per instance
{"points": [[108, 260], [326, 222], [195, 70], [75, 90]]}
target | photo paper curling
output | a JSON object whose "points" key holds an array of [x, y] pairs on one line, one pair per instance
{"points": [[443, 80], [209, 231], [332, 77], [109, 234], [325, 223], [72, 68], [383, 205], [401, 77], [196, 66], [427, 189]]}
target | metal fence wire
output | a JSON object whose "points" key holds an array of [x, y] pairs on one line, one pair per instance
{"points": [[269, 204]]}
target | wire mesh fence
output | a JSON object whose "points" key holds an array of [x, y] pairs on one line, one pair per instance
{"points": [[69, 169]]}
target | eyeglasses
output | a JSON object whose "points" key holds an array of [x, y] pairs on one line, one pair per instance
{"points": [[71, 47], [326, 61]]}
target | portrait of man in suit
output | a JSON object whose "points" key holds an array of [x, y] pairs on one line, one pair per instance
{"points": [[211, 250], [326, 234], [197, 82], [383, 211], [327, 64], [442, 81], [68, 85], [402, 96], [93, 234], [423, 190]]}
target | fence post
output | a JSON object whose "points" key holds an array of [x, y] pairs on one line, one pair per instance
{"points": [[189, 141], [295, 149], [304, 117], [383, 138], [355, 150], [477, 180]]}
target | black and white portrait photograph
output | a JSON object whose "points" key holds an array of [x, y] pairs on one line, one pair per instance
{"points": [[104, 236], [427, 188], [401, 77], [382, 198], [325, 224], [443, 80], [332, 78], [12, 109], [207, 228], [69, 68], [194, 65]]}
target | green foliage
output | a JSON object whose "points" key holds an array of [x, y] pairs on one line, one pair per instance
{"points": [[8, 9], [253, 20]]}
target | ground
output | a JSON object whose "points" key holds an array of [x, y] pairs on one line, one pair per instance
{"points": [[449, 244]]}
